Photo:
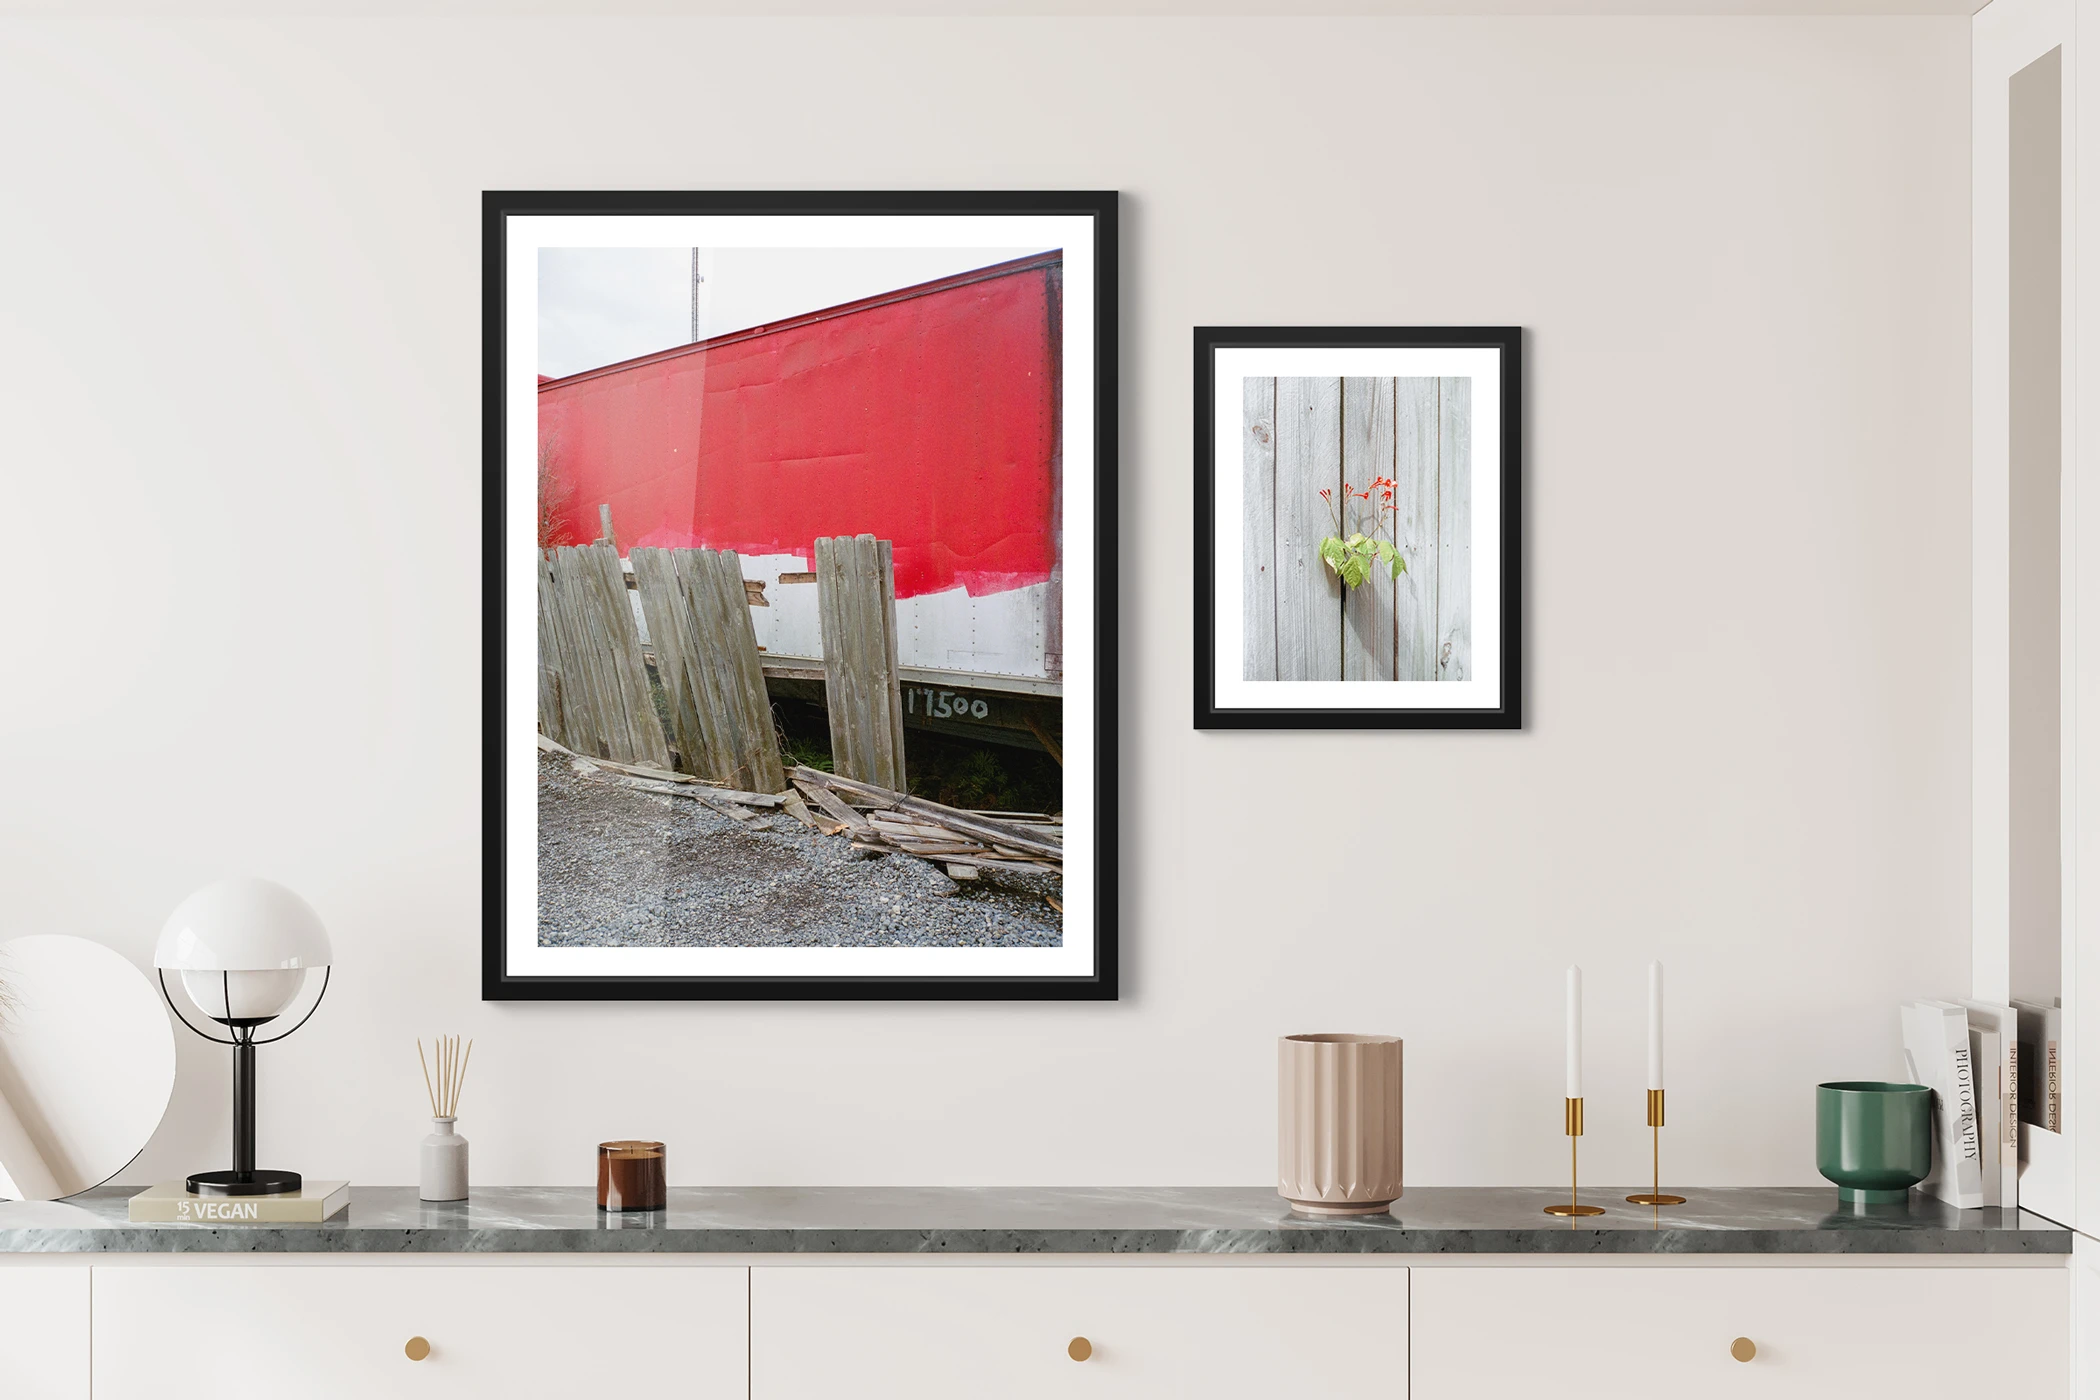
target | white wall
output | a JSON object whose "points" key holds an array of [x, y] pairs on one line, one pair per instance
{"points": [[240, 384]]}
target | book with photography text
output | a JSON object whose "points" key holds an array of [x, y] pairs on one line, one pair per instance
{"points": [[1998, 1076], [1936, 1050]]}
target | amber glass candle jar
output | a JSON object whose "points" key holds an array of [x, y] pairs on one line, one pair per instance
{"points": [[631, 1175]]}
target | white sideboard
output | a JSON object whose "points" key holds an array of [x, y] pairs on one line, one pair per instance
{"points": [[1076, 1294], [1041, 1329]]}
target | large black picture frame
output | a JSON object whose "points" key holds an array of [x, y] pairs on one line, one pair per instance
{"points": [[501, 983], [1506, 344]]}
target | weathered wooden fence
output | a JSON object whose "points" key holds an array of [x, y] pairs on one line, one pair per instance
{"points": [[699, 617], [857, 609], [1304, 435], [595, 694], [593, 687]]}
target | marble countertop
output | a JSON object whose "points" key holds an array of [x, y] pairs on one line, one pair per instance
{"points": [[1049, 1220]]}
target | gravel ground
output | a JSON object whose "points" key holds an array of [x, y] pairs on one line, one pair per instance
{"points": [[622, 868]]}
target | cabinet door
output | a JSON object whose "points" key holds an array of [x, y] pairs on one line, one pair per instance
{"points": [[44, 1332], [966, 1333], [343, 1332], [1635, 1333]]}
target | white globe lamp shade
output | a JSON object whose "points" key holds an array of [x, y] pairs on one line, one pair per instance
{"points": [[243, 948]]}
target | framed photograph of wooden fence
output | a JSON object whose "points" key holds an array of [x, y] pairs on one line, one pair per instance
{"points": [[801, 595], [1358, 528]]}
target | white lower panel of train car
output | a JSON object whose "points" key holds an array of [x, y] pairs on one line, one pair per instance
{"points": [[981, 640]]}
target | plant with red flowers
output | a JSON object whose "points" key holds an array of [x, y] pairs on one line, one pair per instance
{"points": [[1355, 544]]}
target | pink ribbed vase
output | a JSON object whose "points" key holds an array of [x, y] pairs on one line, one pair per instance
{"points": [[1338, 1123]]}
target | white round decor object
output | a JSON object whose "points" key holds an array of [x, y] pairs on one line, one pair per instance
{"points": [[242, 925], [87, 1064]]}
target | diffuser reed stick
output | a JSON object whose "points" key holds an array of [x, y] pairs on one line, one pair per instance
{"points": [[451, 1074], [444, 1153]]}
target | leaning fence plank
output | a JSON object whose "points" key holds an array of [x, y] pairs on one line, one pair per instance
{"points": [[1454, 592], [843, 701], [559, 656], [656, 583], [856, 606], [893, 694], [838, 703], [881, 675], [695, 601], [1308, 595], [758, 750], [551, 722], [582, 660], [703, 680], [1367, 454], [608, 728], [624, 648], [853, 622]]}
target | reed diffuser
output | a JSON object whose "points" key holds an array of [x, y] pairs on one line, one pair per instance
{"points": [[445, 1151]]}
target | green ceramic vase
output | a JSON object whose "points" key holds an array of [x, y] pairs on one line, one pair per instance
{"points": [[1874, 1140]]}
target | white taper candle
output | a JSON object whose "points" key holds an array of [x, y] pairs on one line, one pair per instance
{"points": [[1574, 1032], [1655, 1025]]}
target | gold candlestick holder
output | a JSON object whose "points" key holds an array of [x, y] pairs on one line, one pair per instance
{"points": [[1655, 1197], [1574, 1205]]}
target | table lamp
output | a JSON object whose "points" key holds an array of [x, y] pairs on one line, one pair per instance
{"points": [[243, 949]]}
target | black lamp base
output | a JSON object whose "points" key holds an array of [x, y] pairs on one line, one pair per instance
{"points": [[255, 1183]]}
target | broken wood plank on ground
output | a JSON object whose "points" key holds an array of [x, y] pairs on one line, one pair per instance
{"points": [[837, 810], [795, 807], [736, 814], [931, 831]]}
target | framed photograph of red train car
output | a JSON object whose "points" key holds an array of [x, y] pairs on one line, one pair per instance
{"points": [[1358, 527], [800, 616]]}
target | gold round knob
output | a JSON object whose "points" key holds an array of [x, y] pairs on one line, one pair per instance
{"points": [[417, 1349], [1080, 1349], [1743, 1349]]}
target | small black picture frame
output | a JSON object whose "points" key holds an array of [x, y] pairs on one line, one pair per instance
{"points": [[1359, 527], [1075, 322]]}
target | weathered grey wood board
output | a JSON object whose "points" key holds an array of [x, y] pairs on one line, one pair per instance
{"points": [[707, 657], [1304, 435], [594, 692], [857, 611]]}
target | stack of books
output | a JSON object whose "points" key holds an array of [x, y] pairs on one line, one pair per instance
{"points": [[1990, 1067]]}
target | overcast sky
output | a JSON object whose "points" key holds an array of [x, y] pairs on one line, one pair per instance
{"points": [[602, 305]]}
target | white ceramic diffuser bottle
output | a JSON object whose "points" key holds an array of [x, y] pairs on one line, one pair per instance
{"points": [[444, 1165]]}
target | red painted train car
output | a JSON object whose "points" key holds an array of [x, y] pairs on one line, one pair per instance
{"points": [[928, 416]]}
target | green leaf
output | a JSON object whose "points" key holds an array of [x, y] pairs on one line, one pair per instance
{"points": [[1399, 567], [1356, 542]]}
